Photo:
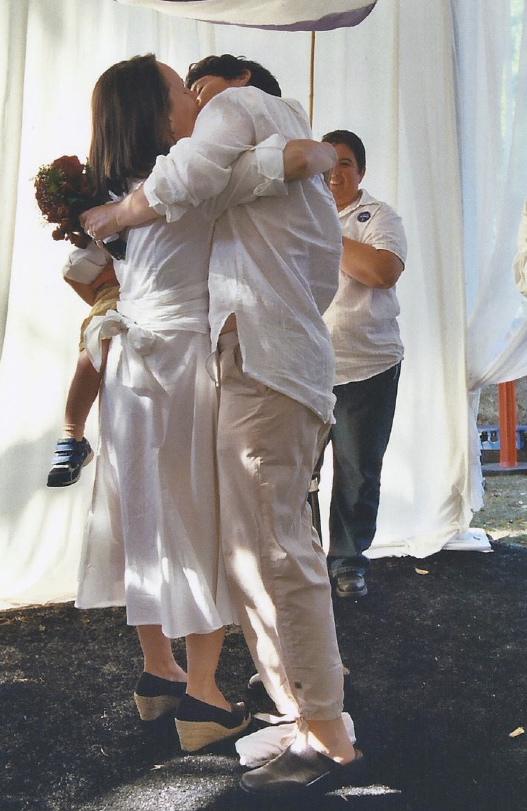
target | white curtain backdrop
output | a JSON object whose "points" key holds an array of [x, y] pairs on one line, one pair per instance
{"points": [[494, 136], [422, 84]]}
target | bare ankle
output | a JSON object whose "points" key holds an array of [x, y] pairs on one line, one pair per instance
{"points": [[209, 695], [330, 738], [170, 673]]}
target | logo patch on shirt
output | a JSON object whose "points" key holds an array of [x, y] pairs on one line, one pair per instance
{"points": [[364, 216]]}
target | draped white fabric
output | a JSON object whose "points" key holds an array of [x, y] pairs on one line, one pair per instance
{"points": [[291, 15], [422, 84], [494, 136]]}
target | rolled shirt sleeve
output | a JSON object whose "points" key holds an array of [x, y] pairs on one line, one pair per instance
{"points": [[259, 172], [200, 167]]}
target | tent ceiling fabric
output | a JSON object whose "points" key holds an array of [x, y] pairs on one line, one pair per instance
{"points": [[282, 15]]}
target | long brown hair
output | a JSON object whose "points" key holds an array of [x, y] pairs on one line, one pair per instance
{"points": [[130, 123]]}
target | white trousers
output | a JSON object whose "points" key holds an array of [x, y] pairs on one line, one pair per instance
{"points": [[268, 444]]}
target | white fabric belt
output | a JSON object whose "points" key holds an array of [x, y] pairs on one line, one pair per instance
{"points": [[140, 324]]}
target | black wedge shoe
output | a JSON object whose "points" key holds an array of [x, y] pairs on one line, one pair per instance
{"points": [[199, 724], [155, 697]]}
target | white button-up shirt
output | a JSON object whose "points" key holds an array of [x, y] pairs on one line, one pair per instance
{"points": [[362, 320], [274, 264]]}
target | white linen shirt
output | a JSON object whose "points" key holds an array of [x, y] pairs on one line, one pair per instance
{"points": [[362, 320], [274, 265], [164, 278]]}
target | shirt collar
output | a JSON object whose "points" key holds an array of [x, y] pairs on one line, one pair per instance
{"points": [[365, 199]]}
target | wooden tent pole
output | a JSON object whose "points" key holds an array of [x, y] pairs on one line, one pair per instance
{"points": [[312, 77]]}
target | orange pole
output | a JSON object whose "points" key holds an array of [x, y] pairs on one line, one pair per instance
{"points": [[508, 424]]}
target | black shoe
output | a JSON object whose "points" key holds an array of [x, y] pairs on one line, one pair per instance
{"points": [[349, 583], [69, 459], [200, 724], [255, 683], [297, 774], [155, 696]]}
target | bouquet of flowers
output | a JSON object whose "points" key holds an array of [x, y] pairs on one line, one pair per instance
{"points": [[65, 189]]}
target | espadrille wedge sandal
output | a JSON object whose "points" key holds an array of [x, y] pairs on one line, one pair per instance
{"points": [[155, 697], [200, 725]]}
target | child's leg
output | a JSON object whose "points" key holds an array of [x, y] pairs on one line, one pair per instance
{"points": [[73, 451], [82, 393]]}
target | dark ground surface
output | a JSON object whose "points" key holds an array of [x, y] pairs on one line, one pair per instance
{"points": [[439, 683]]}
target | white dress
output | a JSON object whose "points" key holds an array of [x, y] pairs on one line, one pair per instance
{"points": [[152, 538]]}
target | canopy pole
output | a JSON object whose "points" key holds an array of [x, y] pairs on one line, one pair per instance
{"points": [[508, 424], [312, 77]]}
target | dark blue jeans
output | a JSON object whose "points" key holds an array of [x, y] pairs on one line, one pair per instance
{"points": [[363, 422]]}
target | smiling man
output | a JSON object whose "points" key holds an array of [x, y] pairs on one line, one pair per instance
{"points": [[362, 320]]}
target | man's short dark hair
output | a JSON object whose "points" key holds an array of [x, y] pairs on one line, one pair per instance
{"points": [[232, 67], [350, 140]]}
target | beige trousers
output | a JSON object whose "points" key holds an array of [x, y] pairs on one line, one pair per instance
{"points": [[268, 444]]}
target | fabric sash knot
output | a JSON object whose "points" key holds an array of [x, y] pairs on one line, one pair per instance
{"points": [[140, 325]]}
